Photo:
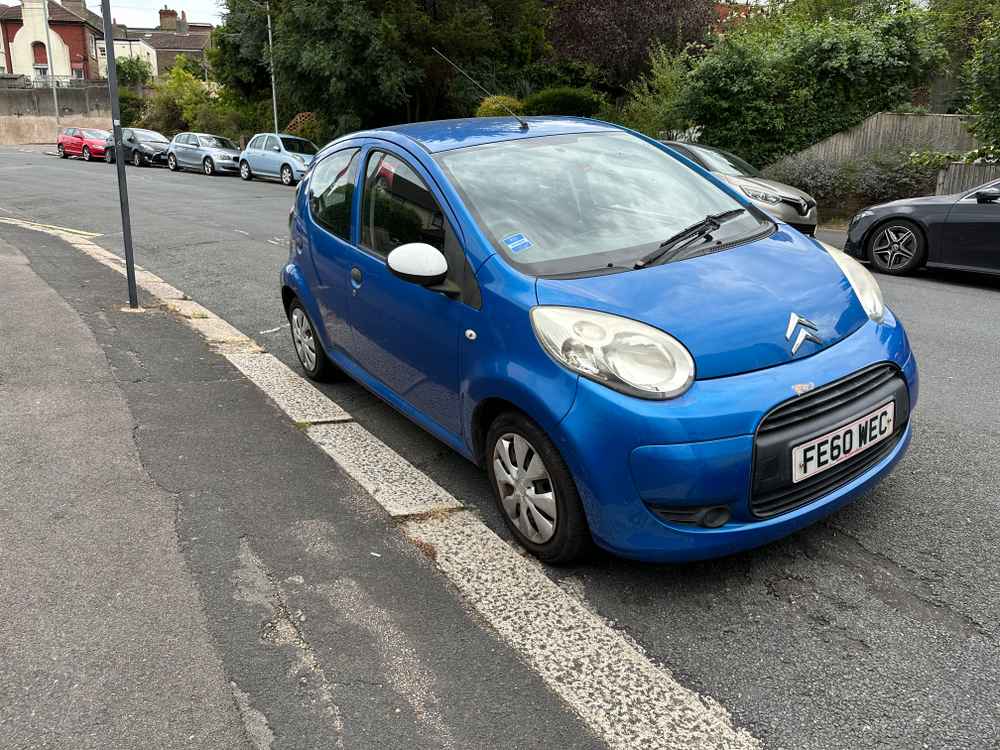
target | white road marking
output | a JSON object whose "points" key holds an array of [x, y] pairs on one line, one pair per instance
{"points": [[240, 231], [271, 330], [625, 698]]}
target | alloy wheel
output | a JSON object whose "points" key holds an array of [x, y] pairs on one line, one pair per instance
{"points": [[894, 247], [86, 154], [244, 170], [62, 151], [527, 493], [172, 162], [302, 336], [209, 167], [137, 158], [286, 175]]}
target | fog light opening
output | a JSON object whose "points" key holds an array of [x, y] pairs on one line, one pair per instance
{"points": [[714, 517]]}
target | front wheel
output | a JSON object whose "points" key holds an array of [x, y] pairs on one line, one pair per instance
{"points": [[136, 159], [109, 155], [534, 490], [86, 153], [171, 162], [245, 172], [308, 348], [897, 247], [287, 178], [62, 151], [209, 166]]}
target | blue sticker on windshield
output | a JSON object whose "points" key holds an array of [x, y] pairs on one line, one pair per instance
{"points": [[516, 242]]}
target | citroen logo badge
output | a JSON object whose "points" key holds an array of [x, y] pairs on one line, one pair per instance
{"points": [[806, 331]]}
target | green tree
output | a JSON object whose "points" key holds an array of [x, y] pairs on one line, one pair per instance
{"points": [[983, 76], [653, 102], [767, 93], [133, 71], [176, 102]]}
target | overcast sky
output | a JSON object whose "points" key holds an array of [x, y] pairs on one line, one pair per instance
{"points": [[145, 12]]}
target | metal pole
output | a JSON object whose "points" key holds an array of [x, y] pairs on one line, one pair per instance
{"points": [[50, 59], [270, 52], [109, 44]]}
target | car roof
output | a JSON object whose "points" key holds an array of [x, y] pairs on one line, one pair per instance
{"points": [[445, 135]]}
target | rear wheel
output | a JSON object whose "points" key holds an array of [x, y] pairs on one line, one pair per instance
{"points": [[209, 166], [136, 159], [287, 178], [308, 348], [86, 153], [534, 490], [245, 172], [897, 247], [172, 163], [109, 154]]}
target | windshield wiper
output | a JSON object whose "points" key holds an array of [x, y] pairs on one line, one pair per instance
{"points": [[677, 242]]}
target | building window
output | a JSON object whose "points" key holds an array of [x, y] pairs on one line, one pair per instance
{"points": [[78, 73], [38, 51], [41, 71]]}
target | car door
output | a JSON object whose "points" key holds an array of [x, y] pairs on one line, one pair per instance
{"points": [[405, 335], [972, 233], [182, 149], [198, 150], [330, 202], [74, 143], [271, 156], [128, 143]]}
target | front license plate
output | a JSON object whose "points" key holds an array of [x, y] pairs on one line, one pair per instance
{"points": [[826, 451]]}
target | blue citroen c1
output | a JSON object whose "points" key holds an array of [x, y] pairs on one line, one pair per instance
{"points": [[636, 354]]}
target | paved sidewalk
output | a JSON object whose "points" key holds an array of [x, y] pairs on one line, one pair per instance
{"points": [[102, 643]]}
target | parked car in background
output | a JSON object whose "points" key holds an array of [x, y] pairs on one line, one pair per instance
{"points": [[203, 151], [960, 231], [633, 354], [144, 147], [784, 202], [277, 155], [88, 143]]}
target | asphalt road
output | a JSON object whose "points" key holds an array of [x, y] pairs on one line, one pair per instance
{"points": [[877, 628]]}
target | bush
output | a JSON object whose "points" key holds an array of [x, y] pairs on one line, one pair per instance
{"points": [[493, 106], [982, 73], [764, 92], [653, 101], [842, 188], [133, 71], [131, 105], [564, 100]]}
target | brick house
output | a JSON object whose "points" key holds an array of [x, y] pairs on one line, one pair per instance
{"points": [[175, 36], [74, 32]]}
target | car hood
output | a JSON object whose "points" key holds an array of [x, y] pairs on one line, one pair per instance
{"points": [[731, 309], [772, 185], [925, 200]]}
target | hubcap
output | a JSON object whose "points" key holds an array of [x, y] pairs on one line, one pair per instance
{"points": [[244, 171], [894, 247], [302, 335], [208, 166], [286, 175], [86, 154], [526, 491]]}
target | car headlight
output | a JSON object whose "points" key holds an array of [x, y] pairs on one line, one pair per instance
{"points": [[623, 354], [759, 194], [866, 289]]}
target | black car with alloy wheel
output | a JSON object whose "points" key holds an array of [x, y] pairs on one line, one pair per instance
{"points": [[142, 148], [960, 231]]}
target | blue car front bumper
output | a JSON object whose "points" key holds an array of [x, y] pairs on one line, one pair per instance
{"points": [[630, 456]]}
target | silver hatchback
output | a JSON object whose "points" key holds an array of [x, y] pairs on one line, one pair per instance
{"points": [[202, 151], [784, 202]]}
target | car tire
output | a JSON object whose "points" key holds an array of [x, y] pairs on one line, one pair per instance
{"points": [[287, 176], [62, 151], [208, 166], [534, 490], [245, 172], [172, 163], [109, 155], [136, 159], [897, 247], [308, 348], [86, 153]]}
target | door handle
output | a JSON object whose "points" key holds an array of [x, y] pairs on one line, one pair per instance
{"points": [[356, 277]]}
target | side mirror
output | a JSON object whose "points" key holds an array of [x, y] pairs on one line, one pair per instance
{"points": [[276, 148], [418, 263], [989, 195]]}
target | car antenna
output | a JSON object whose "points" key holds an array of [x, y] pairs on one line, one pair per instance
{"points": [[521, 120]]}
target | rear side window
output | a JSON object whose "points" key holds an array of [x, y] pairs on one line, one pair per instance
{"points": [[398, 207], [256, 142], [331, 191]]}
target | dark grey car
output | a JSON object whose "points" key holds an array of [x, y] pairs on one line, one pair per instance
{"points": [[203, 151], [784, 202]]}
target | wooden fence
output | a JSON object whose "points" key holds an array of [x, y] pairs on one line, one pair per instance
{"points": [[956, 178], [892, 131]]}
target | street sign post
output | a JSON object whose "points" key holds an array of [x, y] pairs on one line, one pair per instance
{"points": [[109, 44]]}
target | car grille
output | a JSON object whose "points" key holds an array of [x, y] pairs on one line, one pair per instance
{"points": [[801, 205], [815, 413]]}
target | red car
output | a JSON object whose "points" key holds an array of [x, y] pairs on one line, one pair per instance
{"points": [[86, 142]]}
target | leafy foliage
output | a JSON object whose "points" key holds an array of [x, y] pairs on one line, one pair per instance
{"points": [[133, 71], [653, 103], [131, 106], [564, 100], [615, 37], [498, 106], [983, 75], [767, 93]]}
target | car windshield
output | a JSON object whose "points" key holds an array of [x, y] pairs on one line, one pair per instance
{"points": [[299, 146], [570, 204], [214, 141], [149, 136], [96, 133], [724, 162]]}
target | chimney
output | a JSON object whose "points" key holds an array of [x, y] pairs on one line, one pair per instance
{"points": [[168, 19], [118, 29], [182, 24], [79, 7]]}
